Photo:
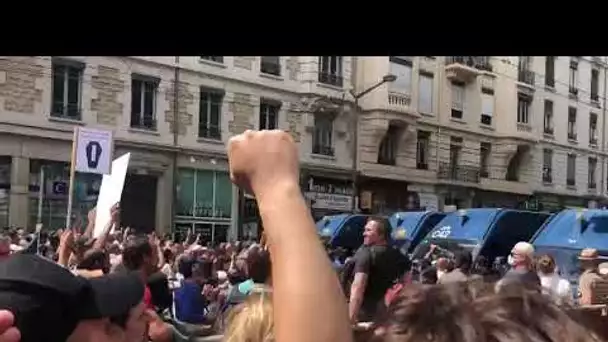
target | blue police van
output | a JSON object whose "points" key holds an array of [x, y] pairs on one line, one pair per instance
{"points": [[567, 233], [487, 232], [410, 227], [407, 229]]}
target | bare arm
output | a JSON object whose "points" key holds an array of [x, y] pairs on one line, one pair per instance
{"points": [[357, 290], [308, 302], [309, 305]]}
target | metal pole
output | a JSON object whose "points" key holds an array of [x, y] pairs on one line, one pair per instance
{"points": [[355, 145], [603, 147], [174, 168], [68, 218], [40, 195]]}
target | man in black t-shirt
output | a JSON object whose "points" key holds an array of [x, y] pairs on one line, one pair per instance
{"points": [[376, 268]]}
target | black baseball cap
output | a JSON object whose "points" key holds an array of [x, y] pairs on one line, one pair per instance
{"points": [[48, 301]]}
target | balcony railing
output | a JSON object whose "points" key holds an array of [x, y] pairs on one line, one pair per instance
{"points": [[526, 76], [210, 132], [547, 175], [270, 67], [459, 173], [332, 79], [147, 123], [323, 150], [477, 62]]}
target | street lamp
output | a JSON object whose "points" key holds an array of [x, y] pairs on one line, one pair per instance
{"points": [[355, 131]]}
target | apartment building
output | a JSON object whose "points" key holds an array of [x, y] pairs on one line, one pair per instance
{"points": [[481, 131], [174, 115]]}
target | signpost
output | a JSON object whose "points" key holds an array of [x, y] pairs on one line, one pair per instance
{"points": [[92, 151]]}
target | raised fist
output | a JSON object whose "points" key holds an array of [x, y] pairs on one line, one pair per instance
{"points": [[260, 160]]}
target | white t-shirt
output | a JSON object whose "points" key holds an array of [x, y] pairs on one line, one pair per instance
{"points": [[557, 287]]}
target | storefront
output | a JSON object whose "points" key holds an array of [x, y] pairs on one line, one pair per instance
{"points": [[5, 187], [204, 200], [384, 197], [327, 196], [55, 194]]}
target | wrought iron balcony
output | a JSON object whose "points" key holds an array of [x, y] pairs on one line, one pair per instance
{"points": [[459, 173], [526, 76], [477, 62], [466, 68]]}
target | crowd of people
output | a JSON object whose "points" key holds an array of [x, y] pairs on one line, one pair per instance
{"points": [[125, 286]]}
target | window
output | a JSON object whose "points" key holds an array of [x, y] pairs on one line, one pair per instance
{"points": [[210, 113], [523, 109], [387, 154], [595, 81], [591, 181], [487, 106], [485, 149], [67, 81], [422, 150], [455, 148], [143, 102], [573, 79], [269, 114], [271, 65], [203, 193], [525, 74], [425, 93], [550, 71], [323, 135], [217, 59], [571, 123], [548, 120], [547, 166], [330, 70], [458, 98], [592, 129], [402, 68], [571, 170]]}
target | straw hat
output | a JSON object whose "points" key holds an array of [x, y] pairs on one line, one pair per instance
{"points": [[588, 254]]}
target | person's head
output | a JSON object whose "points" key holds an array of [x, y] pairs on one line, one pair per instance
{"points": [[185, 265], [463, 260], [545, 264], [472, 311], [429, 275], [522, 255], [168, 256], [258, 266], [95, 260], [375, 231], [139, 255], [252, 321], [589, 259], [52, 304]]}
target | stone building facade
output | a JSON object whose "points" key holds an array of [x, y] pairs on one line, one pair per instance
{"points": [[175, 115], [476, 131]]}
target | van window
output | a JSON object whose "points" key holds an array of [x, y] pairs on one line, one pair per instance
{"points": [[511, 228], [425, 228], [351, 234]]}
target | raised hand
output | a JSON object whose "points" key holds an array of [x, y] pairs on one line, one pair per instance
{"points": [[262, 160]]}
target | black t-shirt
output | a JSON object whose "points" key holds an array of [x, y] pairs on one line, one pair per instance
{"points": [[383, 265], [526, 278]]}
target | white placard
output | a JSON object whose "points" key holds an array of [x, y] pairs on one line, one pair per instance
{"points": [[110, 192], [93, 150]]}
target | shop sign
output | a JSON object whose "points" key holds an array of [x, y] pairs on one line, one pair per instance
{"points": [[329, 201], [325, 193], [329, 186]]}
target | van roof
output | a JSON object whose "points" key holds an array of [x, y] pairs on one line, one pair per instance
{"points": [[575, 228]]}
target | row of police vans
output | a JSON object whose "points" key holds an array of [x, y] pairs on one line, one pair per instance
{"points": [[488, 233]]}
